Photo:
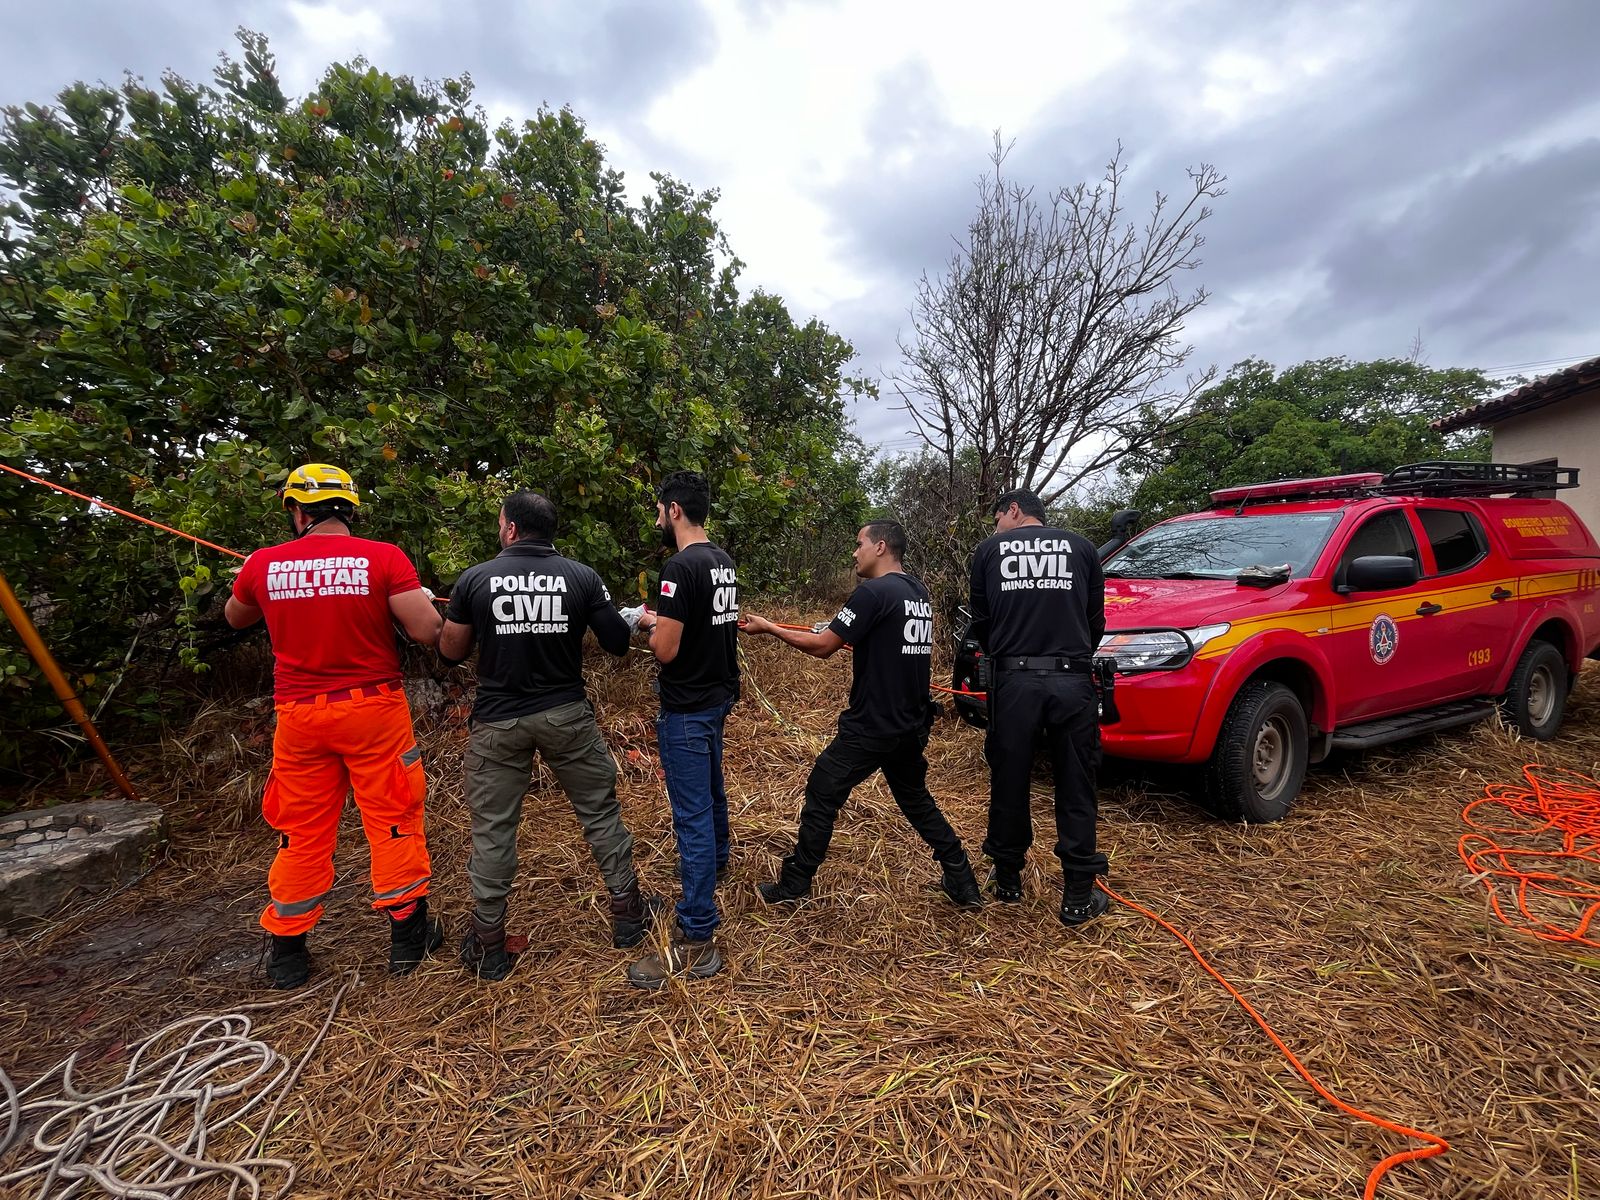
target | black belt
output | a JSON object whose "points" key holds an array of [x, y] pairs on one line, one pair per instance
{"points": [[1075, 666]]}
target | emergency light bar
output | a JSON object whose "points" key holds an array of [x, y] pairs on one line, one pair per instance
{"points": [[1297, 489]]}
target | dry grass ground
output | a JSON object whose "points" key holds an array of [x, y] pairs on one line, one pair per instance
{"points": [[878, 1042]]}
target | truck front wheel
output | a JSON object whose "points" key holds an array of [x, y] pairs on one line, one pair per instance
{"points": [[1260, 760], [1536, 701]]}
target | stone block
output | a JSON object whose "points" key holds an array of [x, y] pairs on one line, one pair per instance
{"points": [[74, 852], [15, 825]]}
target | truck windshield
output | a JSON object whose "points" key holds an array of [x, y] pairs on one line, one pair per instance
{"points": [[1222, 546]]}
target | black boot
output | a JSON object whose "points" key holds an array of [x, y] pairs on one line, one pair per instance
{"points": [[792, 884], [412, 939], [1082, 902], [483, 950], [633, 912], [1006, 884], [960, 884], [288, 962]]}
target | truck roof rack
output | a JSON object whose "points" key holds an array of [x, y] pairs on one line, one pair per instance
{"points": [[1446, 478]]}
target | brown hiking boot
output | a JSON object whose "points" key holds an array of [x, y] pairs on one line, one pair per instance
{"points": [[483, 950], [633, 913], [694, 960]]}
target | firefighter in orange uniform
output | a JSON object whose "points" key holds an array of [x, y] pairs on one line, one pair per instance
{"points": [[330, 601]]}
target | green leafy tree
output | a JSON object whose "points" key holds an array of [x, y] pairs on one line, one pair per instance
{"points": [[203, 285], [1326, 417]]}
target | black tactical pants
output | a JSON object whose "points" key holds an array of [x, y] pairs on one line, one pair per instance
{"points": [[848, 761], [1063, 705]]}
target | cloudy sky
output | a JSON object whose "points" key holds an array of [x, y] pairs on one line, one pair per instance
{"points": [[1396, 169]]}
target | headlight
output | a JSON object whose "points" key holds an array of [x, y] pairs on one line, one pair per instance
{"points": [[1158, 649]]}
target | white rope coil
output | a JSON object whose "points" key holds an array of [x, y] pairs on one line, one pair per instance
{"points": [[147, 1138]]}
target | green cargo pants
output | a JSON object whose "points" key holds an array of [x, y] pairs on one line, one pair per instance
{"points": [[499, 766]]}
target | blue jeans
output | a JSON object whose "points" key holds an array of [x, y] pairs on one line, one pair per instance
{"points": [[691, 756]]}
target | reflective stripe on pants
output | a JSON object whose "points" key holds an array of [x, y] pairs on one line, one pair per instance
{"points": [[320, 754]]}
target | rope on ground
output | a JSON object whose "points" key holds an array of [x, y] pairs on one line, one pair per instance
{"points": [[1554, 802], [748, 679], [1436, 1145], [118, 1140]]}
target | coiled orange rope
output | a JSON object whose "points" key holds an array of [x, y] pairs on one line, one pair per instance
{"points": [[1556, 892]]}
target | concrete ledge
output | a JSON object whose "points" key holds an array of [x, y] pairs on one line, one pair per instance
{"points": [[48, 856]]}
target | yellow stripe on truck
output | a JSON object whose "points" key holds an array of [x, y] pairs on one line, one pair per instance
{"points": [[1460, 598]]}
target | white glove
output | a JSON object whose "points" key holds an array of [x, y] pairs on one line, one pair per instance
{"points": [[631, 616]]}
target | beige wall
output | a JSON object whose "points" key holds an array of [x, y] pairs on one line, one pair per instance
{"points": [[1567, 431]]}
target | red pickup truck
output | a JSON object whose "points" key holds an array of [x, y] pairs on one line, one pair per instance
{"points": [[1297, 617]]}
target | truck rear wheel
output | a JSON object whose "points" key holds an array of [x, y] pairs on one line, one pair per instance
{"points": [[1260, 760], [1536, 701]]}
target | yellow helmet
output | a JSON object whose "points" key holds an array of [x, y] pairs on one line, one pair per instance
{"points": [[316, 482]]}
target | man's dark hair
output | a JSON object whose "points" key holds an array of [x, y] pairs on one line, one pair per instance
{"points": [[690, 492], [327, 510], [891, 533], [1027, 501], [532, 514]]}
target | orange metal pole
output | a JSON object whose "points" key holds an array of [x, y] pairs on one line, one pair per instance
{"points": [[69, 699]]}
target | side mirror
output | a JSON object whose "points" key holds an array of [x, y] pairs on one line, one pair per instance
{"points": [[1124, 524], [1381, 573]]}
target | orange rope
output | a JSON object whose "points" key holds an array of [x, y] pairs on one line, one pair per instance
{"points": [[122, 512], [1546, 796], [132, 516], [1436, 1145], [959, 692], [1555, 801], [947, 691]]}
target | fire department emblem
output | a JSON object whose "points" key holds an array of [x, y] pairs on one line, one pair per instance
{"points": [[1383, 638]]}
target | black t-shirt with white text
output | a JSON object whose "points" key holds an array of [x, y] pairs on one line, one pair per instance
{"points": [[888, 623], [698, 588], [1038, 591], [528, 608]]}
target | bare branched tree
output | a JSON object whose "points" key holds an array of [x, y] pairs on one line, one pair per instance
{"points": [[1049, 344]]}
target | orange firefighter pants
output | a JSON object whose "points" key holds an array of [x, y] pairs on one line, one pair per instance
{"points": [[321, 752]]}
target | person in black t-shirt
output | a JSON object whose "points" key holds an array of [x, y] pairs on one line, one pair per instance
{"points": [[693, 634], [1038, 611], [888, 622], [528, 609]]}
